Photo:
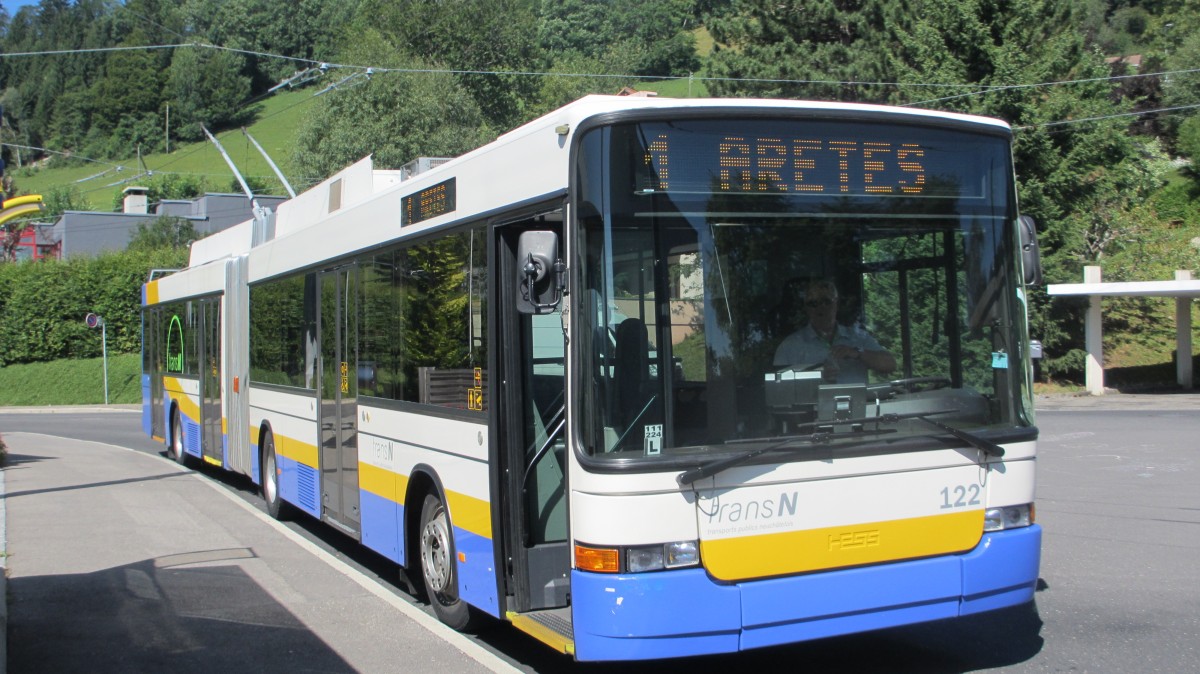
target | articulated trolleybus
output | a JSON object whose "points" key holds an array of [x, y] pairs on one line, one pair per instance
{"points": [[545, 377]]}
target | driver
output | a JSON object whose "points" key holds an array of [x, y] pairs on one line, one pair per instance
{"points": [[846, 352]]}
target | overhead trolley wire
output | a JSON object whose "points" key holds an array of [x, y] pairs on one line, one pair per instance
{"points": [[368, 71]]}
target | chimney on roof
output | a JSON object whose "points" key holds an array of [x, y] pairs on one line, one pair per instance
{"points": [[135, 200]]}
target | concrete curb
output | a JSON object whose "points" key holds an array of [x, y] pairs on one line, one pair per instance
{"points": [[3, 576], [68, 409]]}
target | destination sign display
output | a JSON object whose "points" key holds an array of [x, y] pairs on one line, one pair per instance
{"points": [[809, 159], [428, 203]]}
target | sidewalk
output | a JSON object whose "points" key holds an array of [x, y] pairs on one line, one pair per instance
{"points": [[122, 562], [1170, 400]]}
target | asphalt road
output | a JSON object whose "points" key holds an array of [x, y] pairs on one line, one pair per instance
{"points": [[1120, 591]]}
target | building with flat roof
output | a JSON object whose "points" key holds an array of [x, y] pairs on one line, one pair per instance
{"points": [[92, 232]]}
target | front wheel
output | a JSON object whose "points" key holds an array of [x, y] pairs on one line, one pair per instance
{"points": [[438, 567]]}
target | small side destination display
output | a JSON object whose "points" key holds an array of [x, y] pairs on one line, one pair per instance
{"points": [[428, 203]]}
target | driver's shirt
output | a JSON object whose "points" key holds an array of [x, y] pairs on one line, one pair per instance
{"points": [[804, 348]]}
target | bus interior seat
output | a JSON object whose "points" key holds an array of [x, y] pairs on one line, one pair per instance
{"points": [[631, 370]]}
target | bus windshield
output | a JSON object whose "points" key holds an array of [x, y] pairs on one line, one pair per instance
{"points": [[751, 280]]}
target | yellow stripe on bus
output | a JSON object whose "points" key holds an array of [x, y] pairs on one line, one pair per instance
{"points": [[300, 452], [152, 293], [847, 545], [470, 513], [466, 512], [382, 482], [187, 407]]}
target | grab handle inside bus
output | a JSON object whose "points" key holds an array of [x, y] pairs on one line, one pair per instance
{"points": [[540, 272]]}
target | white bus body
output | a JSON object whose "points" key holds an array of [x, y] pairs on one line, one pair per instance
{"points": [[540, 376]]}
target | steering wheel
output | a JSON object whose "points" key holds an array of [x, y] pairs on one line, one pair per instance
{"points": [[914, 384]]}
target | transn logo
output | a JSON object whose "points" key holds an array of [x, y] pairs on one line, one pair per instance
{"points": [[854, 540]]}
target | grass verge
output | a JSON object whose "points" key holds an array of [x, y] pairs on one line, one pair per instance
{"points": [[72, 382], [275, 129]]}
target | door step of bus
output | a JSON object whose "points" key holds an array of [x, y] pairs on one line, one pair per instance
{"points": [[551, 627]]}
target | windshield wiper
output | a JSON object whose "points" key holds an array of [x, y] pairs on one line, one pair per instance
{"points": [[716, 466], [713, 467], [982, 444]]}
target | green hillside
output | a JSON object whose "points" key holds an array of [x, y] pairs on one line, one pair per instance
{"points": [[278, 118]]}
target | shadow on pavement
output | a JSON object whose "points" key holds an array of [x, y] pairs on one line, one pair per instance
{"points": [[15, 460], [156, 616]]}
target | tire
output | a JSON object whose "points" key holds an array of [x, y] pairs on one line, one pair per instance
{"points": [[277, 508], [175, 447], [439, 569]]}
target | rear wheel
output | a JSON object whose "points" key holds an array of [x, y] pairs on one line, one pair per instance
{"points": [[175, 449], [439, 568], [276, 506]]}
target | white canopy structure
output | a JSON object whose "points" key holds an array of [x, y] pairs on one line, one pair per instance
{"points": [[1183, 289]]}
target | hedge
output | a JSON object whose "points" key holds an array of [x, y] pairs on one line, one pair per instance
{"points": [[43, 304]]}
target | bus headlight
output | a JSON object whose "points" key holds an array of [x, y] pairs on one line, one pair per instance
{"points": [[1008, 517], [681, 554], [676, 555]]}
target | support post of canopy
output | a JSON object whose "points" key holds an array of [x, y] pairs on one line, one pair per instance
{"points": [[1183, 335], [1094, 336]]}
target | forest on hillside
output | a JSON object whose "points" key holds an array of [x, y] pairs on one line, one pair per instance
{"points": [[1104, 95]]}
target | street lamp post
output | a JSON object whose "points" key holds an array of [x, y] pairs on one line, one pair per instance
{"points": [[95, 321]]}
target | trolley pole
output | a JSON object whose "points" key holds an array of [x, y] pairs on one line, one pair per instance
{"points": [[95, 321]]}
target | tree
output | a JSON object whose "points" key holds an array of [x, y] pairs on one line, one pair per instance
{"points": [[207, 88], [799, 49], [569, 79], [1189, 142], [655, 36], [479, 38], [301, 29], [163, 232], [396, 116]]}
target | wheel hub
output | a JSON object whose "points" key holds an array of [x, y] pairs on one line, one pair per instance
{"points": [[435, 553]]}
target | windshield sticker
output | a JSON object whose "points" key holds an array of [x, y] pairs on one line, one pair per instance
{"points": [[654, 439], [999, 361]]}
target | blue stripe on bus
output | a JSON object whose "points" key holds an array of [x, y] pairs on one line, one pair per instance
{"points": [[298, 485], [381, 520], [476, 571], [1004, 574], [653, 615], [382, 524], [255, 464], [147, 407], [678, 613], [190, 428]]}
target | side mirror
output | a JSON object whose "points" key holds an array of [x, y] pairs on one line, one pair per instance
{"points": [[1031, 256], [540, 273]]}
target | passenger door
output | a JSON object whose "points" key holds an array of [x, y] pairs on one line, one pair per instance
{"points": [[338, 387], [212, 447], [532, 436]]}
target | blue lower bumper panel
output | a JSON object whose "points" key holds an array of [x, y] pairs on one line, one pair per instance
{"points": [[678, 613]]}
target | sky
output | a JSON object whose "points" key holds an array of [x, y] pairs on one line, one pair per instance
{"points": [[11, 6]]}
